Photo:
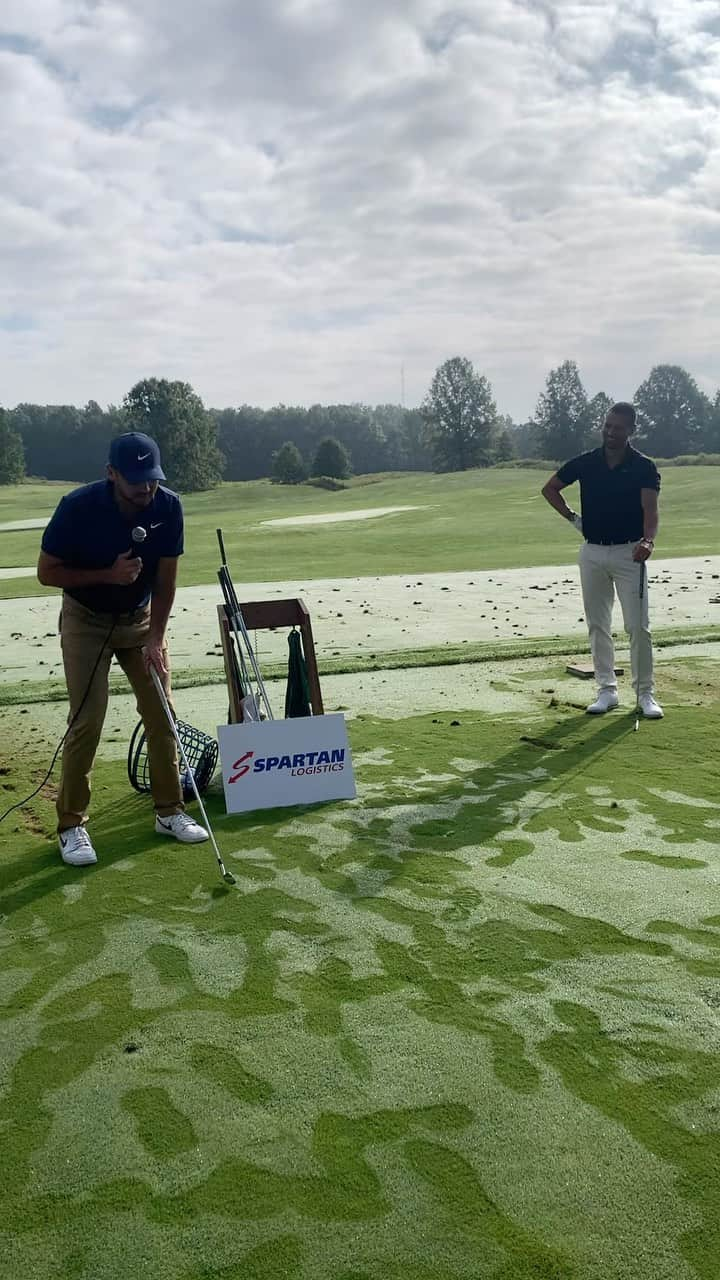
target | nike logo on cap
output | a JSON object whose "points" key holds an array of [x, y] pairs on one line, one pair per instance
{"points": [[156, 526], [143, 456]]}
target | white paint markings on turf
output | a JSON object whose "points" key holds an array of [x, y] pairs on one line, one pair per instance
{"points": [[358, 617]]}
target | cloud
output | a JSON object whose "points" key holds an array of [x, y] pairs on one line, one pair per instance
{"points": [[287, 200]]}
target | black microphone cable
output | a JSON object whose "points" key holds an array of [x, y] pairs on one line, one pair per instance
{"points": [[138, 536]]}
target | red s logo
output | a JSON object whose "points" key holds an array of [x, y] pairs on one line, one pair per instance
{"points": [[241, 768]]}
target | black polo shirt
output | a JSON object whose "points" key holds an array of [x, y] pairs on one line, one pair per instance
{"points": [[89, 531], [610, 496]]}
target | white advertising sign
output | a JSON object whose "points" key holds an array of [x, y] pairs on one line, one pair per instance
{"points": [[275, 763]]}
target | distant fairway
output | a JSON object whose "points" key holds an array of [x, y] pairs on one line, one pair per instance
{"points": [[466, 520]]}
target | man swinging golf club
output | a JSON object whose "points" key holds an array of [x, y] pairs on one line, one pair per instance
{"points": [[113, 547], [619, 502]]}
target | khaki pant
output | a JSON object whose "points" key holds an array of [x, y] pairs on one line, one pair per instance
{"points": [[83, 634], [603, 572]]}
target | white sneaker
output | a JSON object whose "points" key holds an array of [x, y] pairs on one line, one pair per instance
{"points": [[606, 700], [649, 707], [75, 847], [182, 827]]}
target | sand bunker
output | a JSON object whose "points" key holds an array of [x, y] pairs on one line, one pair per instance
{"points": [[17, 573], [14, 526], [339, 517]]}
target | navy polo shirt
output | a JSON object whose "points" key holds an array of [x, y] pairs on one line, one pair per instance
{"points": [[89, 531], [610, 496]]}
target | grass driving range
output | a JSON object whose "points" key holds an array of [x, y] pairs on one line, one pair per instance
{"points": [[464, 1028], [493, 519]]}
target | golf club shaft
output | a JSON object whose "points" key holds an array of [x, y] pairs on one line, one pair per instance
{"points": [[238, 651], [231, 605], [223, 557], [171, 721], [643, 577], [242, 638], [238, 624], [240, 655], [237, 674], [247, 682]]}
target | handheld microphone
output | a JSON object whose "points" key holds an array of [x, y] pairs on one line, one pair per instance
{"points": [[138, 535]]}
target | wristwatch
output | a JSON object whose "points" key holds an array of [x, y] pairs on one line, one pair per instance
{"points": [[646, 542]]}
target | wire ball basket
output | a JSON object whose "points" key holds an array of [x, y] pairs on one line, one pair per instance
{"points": [[200, 749]]}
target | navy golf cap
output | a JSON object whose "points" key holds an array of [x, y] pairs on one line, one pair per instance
{"points": [[137, 457]]}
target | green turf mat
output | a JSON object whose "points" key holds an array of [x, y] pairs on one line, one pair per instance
{"points": [[463, 1028]]}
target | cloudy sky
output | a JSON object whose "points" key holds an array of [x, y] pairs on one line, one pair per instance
{"points": [[289, 200]]}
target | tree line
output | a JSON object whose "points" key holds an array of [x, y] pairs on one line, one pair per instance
{"points": [[202, 446], [674, 417], [456, 427]]}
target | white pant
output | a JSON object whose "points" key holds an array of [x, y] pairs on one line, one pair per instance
{"points": [[604, 571]]}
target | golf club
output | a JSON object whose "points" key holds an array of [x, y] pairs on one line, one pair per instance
{"points": [[226, 875], [643, 572], [247, 698], [240, 631], [237, 623]]}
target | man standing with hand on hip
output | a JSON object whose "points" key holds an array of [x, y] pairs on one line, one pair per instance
{"points": [[619, 502], [113, 547]]}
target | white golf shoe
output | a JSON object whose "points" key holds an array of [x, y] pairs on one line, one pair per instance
{"points": [[182, 827], [75, 847], [606, 700], [649, 707]]}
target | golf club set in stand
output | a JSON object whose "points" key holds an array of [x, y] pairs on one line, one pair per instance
{"points": [[255, 706]]}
